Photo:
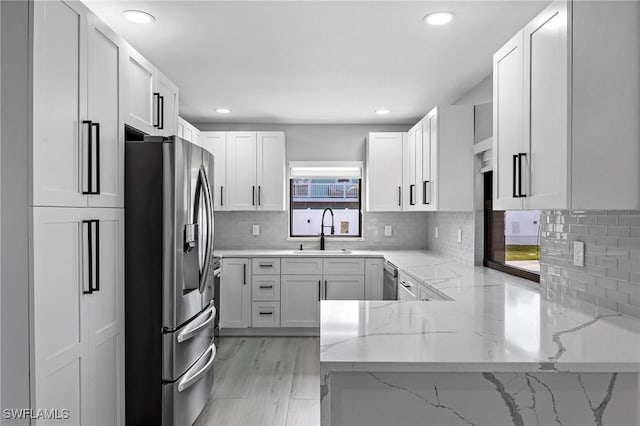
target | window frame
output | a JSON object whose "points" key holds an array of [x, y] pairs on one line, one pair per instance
{"points": [[320, 164]]}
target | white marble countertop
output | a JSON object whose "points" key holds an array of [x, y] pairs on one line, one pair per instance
{"points": [[495, 322]]}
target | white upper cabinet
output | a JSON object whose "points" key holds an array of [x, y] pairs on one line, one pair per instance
{"points": [[270, 160], [105, 107], [216, 143], [255, 164], [140, 99], [78, 139], [151, 98], [241, 170], [166, 105], [384, 180], [508, 130], [60, 104], [565, 110]]}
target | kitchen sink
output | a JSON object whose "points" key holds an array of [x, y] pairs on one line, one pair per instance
{"points": [[325, 252]]}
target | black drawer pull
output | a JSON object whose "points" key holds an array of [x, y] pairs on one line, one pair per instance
{"points": [[266, 286], [266, 265], [266, 313]]}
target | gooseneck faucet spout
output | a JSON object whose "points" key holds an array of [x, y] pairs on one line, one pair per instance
{"points": [[322, 226]]}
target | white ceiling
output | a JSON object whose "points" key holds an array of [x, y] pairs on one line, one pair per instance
{"points": [[318, 61]]}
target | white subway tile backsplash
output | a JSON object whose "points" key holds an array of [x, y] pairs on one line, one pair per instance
{"points": [[611, 275], [469, 250]]}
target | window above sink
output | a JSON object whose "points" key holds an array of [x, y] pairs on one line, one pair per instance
{"points": [[317, 186]]}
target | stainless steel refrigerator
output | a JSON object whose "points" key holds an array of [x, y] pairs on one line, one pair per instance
{"points": [[169, 290]]}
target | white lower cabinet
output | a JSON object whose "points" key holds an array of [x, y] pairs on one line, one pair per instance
{"points": [[235, 293], [300, 300], [265, 314], [343, 287], [78, 316], [286, 292]]}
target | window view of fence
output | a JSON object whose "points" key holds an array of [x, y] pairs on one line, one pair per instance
{"points": [[311, 196]]}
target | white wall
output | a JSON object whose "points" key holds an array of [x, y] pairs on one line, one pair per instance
{"points": [[479, 94], [318, 142], [15, 312]]}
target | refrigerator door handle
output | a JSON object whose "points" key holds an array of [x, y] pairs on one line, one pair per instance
{"points": [[200, 322], [191, 378], [203, 185]]}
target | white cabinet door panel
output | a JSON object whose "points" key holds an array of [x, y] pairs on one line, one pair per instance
{"points": [[168, 118], [140, 101], [271, 171], [508, 116], [374, 269], [241, 170], [343, 266], [104, 108], [385, 171], [235, 293], [345, 287], [302, 266], [59, 104], [546, 110], [300, 300], [215, 143]]}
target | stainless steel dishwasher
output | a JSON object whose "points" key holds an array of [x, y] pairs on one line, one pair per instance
{"points": [[390, 286]]}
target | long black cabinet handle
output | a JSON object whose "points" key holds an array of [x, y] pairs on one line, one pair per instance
{"points": [[319, 290], [259, 191], [221, 196], [97, 127], [412, 200], [161, 113], [424, 192], [156, 119], [93, 246], [520, 193], [253, 195], [515, 166], [399, 196], [244, 274], [325, 289], [89, 156]]}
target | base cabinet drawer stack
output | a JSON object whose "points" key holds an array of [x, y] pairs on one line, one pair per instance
{"points": [[286, 292]]}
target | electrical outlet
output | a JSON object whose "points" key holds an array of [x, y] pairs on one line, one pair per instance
{"points": [[578, 253], [387, 230], [255, 230], [436, 232], [459, 235]]}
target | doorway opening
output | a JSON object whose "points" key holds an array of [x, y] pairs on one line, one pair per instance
{"points": [[512, 238]]}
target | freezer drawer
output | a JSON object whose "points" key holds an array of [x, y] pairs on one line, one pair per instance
{"points": [[184, 399], [184, 346]]}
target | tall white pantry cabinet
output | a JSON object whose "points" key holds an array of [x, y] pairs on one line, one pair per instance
{"points": [[77, 215], [67, 154]]}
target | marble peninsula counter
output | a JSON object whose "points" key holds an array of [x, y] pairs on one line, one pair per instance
{"points": [[497, 354]]}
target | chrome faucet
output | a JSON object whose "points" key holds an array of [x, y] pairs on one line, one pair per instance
{"points": [[322, 226]]}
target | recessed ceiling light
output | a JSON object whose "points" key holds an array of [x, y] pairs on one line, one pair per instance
{"points": [[138, 16], [383, 111], [438, 18], [223, 110]]}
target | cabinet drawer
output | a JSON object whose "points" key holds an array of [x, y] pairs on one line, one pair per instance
{"points": [[427, 294], [266, 287], [265, 314], [266, 265], [302, 266], [406, 293], [343, 266]]}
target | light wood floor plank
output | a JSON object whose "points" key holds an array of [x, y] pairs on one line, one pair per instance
{"points": [[264, 381]]}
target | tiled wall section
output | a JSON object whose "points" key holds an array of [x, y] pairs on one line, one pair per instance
{"points": [[611, 275], [233, 231], [447, 243]]}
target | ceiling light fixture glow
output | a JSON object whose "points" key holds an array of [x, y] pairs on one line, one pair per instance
{"points": [[138, 16], [223, 110], [383, 111], [438, 18]]}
